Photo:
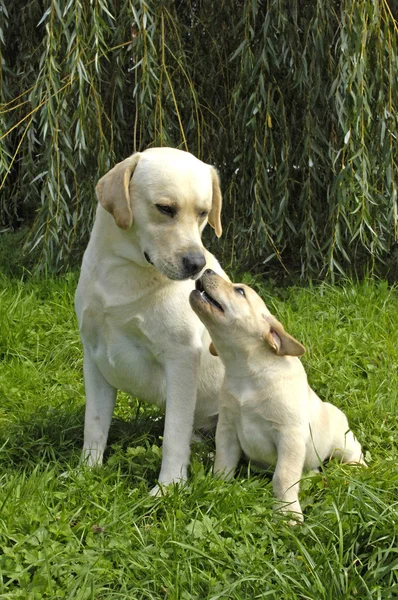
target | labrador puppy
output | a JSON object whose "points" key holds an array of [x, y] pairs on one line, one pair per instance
{"points": [[132, 302], [267, 408]]}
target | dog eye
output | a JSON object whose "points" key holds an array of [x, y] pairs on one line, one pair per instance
{"points": [[240, 291], [166, 209], [203, 214]]}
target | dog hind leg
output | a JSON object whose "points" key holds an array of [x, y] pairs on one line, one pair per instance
{"points": [[353, 450]]}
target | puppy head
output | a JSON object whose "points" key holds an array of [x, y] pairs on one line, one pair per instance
{"points": [[167, 197], [237, 318]]}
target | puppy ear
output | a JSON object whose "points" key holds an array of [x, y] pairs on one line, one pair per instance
{"points": [[215, 212], [281, 342], [212, 349], [113, 191]]}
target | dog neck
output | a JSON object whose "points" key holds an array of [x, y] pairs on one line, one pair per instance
{"points": [[255, 360], [121, 244]]}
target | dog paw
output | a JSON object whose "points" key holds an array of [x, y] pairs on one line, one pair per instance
{"points": [[292, 512], [163, 488], [357, 463], [297, 519], [91, 458], [158, 490], [197, 437]]}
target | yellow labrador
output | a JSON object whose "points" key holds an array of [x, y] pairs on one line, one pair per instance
{"points": [[267, 408], [132, 302]]}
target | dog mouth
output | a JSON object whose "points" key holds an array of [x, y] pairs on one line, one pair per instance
{"points": [[167, 269], [206, 296]]}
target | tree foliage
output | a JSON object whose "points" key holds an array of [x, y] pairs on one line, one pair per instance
{"points": [[294, 102]]}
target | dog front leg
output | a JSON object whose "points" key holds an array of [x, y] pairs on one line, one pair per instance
{"points": [[100, 402], [288, 471], [182, 374], [228, 449]]}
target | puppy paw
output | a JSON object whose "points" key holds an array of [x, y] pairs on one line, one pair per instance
{"points": [[357, 463], [291, 511], [298, 519], [197, 437], [292, 518]]}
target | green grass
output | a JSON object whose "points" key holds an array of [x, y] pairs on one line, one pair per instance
{"points": [[77, 534]]}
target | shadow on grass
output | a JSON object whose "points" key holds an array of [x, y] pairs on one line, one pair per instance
{"points": [[56, 435]]}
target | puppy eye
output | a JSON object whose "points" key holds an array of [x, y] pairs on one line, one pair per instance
{"points": [[203, 214], [166, 209], [240, 291]]}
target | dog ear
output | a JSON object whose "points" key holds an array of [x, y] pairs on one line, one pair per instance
{"points": [[281, 342], [113, 191], [215, 212], [212, 349]]}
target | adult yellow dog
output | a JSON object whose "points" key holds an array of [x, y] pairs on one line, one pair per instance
{"points": [[138, 330]]}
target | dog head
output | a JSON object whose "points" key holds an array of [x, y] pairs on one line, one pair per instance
{"points": [[167, 196], [237, 317]]}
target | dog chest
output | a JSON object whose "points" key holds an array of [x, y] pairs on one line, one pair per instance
{"points": [[261, 415], [129, 365], [257, 437]]}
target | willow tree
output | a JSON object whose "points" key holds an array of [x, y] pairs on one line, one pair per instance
{"points": [[294, 102]]}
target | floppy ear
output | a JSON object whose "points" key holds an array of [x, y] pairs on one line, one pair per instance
{"points": [[281, 342], [212, 349], [113, 191], [215, 212]]}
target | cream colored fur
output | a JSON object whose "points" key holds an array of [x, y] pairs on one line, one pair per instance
{"points": [[267, 409], [138, 330]]}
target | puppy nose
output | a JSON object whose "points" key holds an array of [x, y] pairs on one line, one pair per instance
{"points": [[193, 262]]}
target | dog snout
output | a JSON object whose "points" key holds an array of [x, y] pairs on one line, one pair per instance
{"points": [[193, 263]]}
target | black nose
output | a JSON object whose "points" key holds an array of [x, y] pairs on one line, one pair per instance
{"points": [[193, 262]]}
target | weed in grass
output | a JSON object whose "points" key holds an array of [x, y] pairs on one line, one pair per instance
{"points": [[71, 533]]}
